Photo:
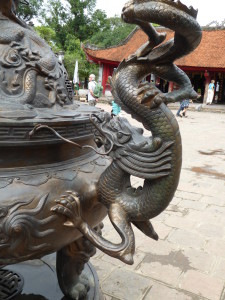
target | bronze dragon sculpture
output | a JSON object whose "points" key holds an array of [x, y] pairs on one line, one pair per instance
{"points": [[53, 198], [156, 159]]}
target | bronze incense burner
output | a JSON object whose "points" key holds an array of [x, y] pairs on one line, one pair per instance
{"points": [[64, 166]]}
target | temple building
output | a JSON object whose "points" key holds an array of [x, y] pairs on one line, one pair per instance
{"points": [[207, 62]]}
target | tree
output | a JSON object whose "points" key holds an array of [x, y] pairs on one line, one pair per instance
{"points": [[49, 35], [112, 33], [28, 12], [80, 17], [74, 52], [55, 16], [73, 22], [98, 23], [76, 21]]}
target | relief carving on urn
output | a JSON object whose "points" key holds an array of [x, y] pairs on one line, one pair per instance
{"points": [[65, 166]]}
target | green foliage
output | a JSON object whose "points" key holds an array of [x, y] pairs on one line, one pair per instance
{"points": [[85, 68], [68, 23], [80, 17], [72, 44], [73, 22], [49, 35], [73, 16], [28, 12], [55, 16], [74, 52], [114, 31]]}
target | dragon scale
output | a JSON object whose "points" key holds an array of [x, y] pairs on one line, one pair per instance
{"points": [[156, 195]]}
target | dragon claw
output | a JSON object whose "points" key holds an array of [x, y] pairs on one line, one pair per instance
{"points": [[69, 206], [148, 93]]}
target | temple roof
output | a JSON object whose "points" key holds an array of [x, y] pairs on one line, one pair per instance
{"points": [[209, 54]]}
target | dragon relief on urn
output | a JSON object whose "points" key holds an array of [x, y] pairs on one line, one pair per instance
{"points": [[30, 72]]}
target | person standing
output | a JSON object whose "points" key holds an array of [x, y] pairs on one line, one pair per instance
{"points": [[115, 109], [76, 89], [91, 87], [211, 90]]}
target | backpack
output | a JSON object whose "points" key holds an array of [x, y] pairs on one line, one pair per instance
{"points": [[98, 90]]}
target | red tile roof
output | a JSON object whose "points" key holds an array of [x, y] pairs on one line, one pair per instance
{"points": [[209, 54]]}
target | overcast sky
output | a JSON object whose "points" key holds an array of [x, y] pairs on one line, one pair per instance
{"points": [[207, 10]]}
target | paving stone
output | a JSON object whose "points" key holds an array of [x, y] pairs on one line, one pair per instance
{"points": [[186, 238], [184, 186], [175, 258], [217, 190], [223, 296], [202, 284], [104, 269], [199, 186], [199, 259], [159, 247], [140, 237], [107, 225], [180, 222], [216, 209], [138, 258], [188, 196], [164, 273], [162, 292], [126, 285], [161, 217], [192, 204], [219, 269], [136, 182], [175, 201], [176, 210], [203, 216], [98, 253], [161, 229], [211, 230], [107, 297], [172, 212], [213, 200], [113, 261], [112, 235], [216, 247]]}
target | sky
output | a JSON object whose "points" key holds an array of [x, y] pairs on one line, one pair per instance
{"points": [[208, 11]]}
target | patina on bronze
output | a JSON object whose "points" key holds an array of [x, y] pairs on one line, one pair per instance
{"points": [[55, 186]]}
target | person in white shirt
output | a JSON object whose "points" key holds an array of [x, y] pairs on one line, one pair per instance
{"points": [[211, 90], [91, 87]]}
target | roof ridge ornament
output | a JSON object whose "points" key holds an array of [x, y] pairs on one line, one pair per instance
{"points": [[217, 24]]}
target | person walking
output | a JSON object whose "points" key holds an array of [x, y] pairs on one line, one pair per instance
{"points": [[211, 90], [91, 86]]}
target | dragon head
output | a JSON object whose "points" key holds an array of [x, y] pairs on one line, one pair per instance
{"points": [[117, 133], [142, 156]]}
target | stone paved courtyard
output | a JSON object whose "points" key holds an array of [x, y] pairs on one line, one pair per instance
{"points": [[188, 261]]}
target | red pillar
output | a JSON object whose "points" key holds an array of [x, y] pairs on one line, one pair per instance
{"points": [[106, 74]]}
